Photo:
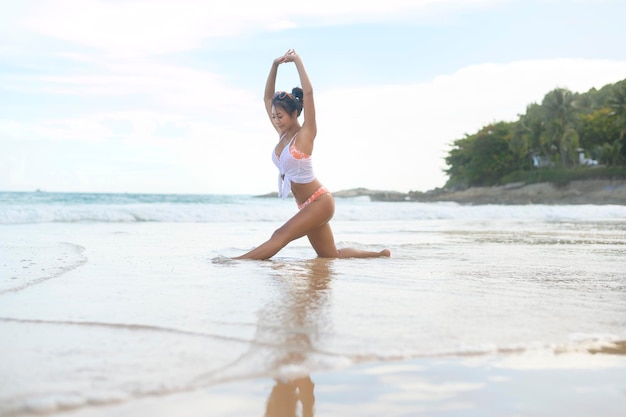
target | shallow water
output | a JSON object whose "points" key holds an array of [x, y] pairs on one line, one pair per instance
{"points": [[110, 312]]}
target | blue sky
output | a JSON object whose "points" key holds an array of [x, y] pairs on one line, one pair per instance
{"points": [[166, 96]]}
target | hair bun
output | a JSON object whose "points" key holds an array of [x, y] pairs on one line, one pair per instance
{"points": [[297, 93]]}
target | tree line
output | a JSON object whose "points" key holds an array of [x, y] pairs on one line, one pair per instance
{"points": [[566, 133]]}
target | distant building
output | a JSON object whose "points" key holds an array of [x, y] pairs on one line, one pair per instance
{"points": [[583, 160], [540, 161]]}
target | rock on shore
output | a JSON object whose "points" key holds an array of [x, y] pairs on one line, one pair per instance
{"points": [[576, 192]]}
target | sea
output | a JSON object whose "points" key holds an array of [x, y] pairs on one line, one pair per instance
{"points": [[108, 300]]}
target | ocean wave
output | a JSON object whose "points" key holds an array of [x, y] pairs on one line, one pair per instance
{"points": [[132, 214], [30, 208]]}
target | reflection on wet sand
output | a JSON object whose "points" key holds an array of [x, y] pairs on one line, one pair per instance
{"points": [[294, 319], [284, 398]]}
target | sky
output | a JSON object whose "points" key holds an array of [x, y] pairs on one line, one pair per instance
{"points": [[164, 96]]}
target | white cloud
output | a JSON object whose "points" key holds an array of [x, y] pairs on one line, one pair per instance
{"points": [[142, 27], [174, 87]]}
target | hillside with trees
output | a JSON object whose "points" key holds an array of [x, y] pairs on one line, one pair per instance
{"points": [[568, 136]]}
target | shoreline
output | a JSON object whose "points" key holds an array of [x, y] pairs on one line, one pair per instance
{"points": [[575, 192]]}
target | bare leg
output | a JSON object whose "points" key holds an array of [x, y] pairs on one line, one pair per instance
{"points": [[267, 249], [358, 253], [310, 218], [323, 242], [313, 222]]}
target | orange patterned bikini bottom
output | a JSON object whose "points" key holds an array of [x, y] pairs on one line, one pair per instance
{"points": [[314, 196]]}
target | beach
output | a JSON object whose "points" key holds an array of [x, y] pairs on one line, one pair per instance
{"points": [[126, 305]]}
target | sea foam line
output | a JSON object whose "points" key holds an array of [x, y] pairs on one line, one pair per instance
{"points": [[82, 260]]}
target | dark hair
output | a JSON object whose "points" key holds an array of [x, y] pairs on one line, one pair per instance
{"points": [[289, 102]]}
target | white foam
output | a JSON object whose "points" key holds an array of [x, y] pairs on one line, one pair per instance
{"points": [[262, 210], [24, 265]]}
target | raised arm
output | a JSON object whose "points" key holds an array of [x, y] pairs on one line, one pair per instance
{"points": [[270, 87], [309, 125]]}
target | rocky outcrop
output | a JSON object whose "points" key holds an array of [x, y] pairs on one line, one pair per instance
{"points": [[576, 192]]}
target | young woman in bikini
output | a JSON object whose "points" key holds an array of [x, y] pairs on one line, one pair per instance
{"points": [[292, 156]]}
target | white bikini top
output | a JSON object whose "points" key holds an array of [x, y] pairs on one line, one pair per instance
{"points": [[293, 166]]}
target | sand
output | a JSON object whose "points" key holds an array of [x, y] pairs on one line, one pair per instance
{"points": [[532, 384], [480, 311]]}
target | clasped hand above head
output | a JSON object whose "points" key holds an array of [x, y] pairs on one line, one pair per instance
{"points": [[289, 56]]}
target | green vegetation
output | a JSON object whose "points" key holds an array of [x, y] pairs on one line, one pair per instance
{"points": [[568, 136]]}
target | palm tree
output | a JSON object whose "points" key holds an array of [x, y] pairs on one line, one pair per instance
{"points": [[529, 131], [617, 104], [561, 120]]}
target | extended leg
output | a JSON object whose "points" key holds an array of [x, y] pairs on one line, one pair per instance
{"points": [[299, 225], [358, 253]]}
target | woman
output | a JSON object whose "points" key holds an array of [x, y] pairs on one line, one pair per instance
{"points": [[292, 156]]}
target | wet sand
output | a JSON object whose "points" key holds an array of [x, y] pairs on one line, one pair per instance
{"points": [[532, 384], [481, 311]]}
